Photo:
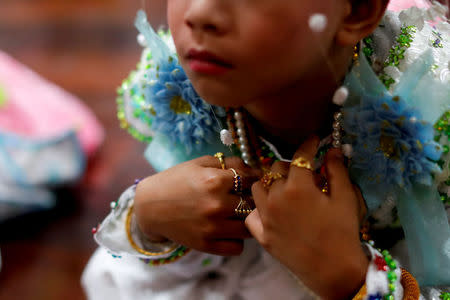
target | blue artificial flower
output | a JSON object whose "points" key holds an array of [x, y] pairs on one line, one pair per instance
{"points": [[391, 144], [179, 112]]}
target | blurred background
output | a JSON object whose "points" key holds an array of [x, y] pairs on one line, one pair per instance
{"points": [[87, 47]]}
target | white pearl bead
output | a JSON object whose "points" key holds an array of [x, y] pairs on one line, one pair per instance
{"points": [[337, 125], [240, 132], [243, 140], [243, 148], [338, 116], [113, 205], [336, 135], [318, 22], [245, 156], [240, 124], [238, 116], [341, 96], [336, 144]]}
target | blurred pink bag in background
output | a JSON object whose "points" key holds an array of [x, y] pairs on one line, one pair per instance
{"points": [[46, 136], [38, 109]]}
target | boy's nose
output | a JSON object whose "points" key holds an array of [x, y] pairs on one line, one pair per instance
{"points": [[207, 16]]}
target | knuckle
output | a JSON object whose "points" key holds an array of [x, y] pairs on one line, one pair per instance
{"points": [[203, 159], [208, 230], [279, 165], [236, 162], [211, 209], [211, 181], [291, 191], [255, 187], [273, 212]]}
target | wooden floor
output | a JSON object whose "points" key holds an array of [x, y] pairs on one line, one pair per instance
{"points": [[87, 47]]}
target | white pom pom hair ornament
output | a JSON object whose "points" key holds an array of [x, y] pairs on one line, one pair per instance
{"points": [[141, 40], [347, 150], [318, 22], [340, 96], [226, 137]]}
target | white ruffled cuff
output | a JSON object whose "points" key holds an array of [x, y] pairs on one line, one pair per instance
{"points": [[112, 233]]}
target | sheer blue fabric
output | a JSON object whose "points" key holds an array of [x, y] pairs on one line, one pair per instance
{"points": [[422, 214]]}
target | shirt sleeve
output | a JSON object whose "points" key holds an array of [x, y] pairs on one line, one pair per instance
{"points": [[112, 235]]}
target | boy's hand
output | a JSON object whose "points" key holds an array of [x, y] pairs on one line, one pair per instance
{"points": [[316, 235], [193, 204]]}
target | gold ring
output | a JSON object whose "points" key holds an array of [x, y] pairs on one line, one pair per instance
{"points": [[243, 209], [220, 156], [237, 181], [269, 178], [301, 162]]}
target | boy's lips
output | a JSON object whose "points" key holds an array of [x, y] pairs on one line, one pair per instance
{"points": [[205, 62]]}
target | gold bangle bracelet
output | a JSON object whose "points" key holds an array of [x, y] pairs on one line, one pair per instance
{"points": [[133, 243], [361, 294]]}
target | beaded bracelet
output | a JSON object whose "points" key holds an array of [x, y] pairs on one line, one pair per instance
{"points": [[176, 255], [386, 263], [411, 290]]}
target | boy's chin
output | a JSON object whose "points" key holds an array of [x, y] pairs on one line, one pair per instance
{"points": [[224, 99]]}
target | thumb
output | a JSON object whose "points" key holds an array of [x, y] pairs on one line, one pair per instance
{"points": [[254, 225]]}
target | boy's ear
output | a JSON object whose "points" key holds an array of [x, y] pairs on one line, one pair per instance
{"points": [[360, 20]]}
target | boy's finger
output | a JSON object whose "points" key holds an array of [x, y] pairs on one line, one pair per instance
{"points": [[225, 247], [339, 182], [234, 162], [231, 229], [277, 176], [259, 194], [302, 166], [254, 224], [362, 204]]}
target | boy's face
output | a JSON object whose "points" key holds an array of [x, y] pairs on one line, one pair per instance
{"points": [[259, 47]]}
